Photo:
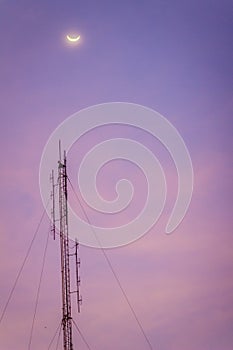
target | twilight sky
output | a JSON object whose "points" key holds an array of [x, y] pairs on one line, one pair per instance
{"points": [[175, 57]]}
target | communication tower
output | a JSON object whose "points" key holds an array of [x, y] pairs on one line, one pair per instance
{"points": [[65, 250]]}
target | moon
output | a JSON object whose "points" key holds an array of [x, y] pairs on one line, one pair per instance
{"points": [[72, 39]]}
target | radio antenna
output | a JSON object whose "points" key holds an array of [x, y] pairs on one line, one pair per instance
{"points": [[65, 251]]}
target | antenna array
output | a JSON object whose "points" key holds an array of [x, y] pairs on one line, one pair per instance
{"points": [[65, 251]]}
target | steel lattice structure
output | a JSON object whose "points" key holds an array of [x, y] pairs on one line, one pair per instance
{"points": [[67, 321]]}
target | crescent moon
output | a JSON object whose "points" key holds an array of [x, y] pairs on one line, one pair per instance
{"points": [[72, 39]]}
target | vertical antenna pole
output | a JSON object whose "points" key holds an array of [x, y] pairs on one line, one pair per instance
{"points": [[53, 204], [77, 260], [60, 150]]}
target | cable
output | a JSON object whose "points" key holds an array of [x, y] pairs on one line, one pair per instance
{"points": [[82, 336], [52, 340], [114, 273], [38, 290], [59, 334], [23, 264]]}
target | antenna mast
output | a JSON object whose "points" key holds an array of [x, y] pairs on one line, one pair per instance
{"points": [[65, 266], [65, 252]]}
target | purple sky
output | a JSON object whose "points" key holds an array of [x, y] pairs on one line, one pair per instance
{"points": [[175, 57]]}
